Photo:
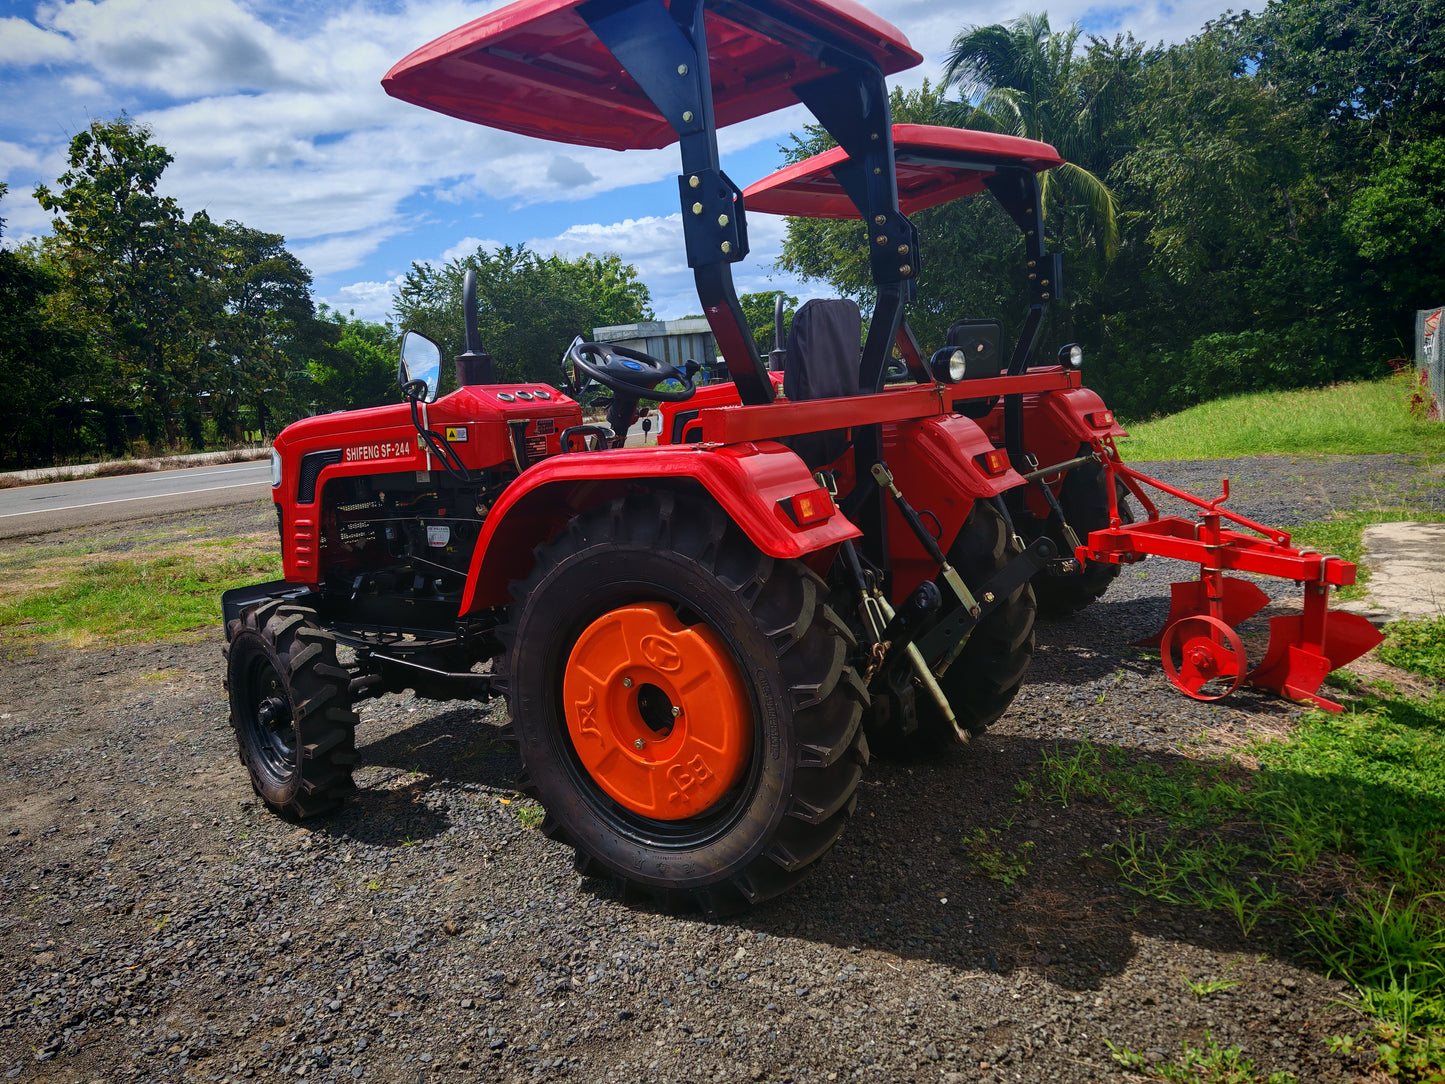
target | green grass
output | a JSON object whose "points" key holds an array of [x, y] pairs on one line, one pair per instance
{"points": [[171, 592], [1338, 834], [1345, 419], [1206, 1064], [995, 862], [1203, 988], [1417, 646]]}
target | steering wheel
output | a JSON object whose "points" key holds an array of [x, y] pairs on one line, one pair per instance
{"points": [[631, 372]]}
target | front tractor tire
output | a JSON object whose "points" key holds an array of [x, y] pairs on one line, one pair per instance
{"points": [[682, 704], [291, 709]]}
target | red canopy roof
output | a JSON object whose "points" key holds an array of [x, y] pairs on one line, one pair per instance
{"points": [[536, 68], [935, 165]]}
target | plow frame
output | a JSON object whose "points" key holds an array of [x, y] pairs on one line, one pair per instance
{"points": [[1197, 644]]}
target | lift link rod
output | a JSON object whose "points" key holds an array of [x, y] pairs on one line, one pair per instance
{"points": [[1060, 468], [876, 614], [1071, 538], [927, 541]]}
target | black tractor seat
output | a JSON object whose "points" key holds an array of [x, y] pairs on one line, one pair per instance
{"points": [[824, 350]]}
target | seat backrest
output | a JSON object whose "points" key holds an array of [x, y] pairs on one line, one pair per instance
{"points": [[825, 346]]}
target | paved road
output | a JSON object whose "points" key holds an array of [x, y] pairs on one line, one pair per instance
{"points": [[35, 509]]}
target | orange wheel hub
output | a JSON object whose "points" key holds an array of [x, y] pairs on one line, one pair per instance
{"points": [[657, 711]]}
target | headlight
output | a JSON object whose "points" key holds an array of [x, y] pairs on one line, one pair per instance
{"points": [[948, 365], [1072, 356], [275, 468]]}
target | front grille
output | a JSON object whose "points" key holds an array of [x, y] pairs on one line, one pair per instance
{"points": [[312, 464]]}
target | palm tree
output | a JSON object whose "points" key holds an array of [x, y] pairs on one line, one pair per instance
{"points": [[1017, 78]]}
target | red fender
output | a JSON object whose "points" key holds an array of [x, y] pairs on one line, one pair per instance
{"points": [[936, 464], [1077, 414], [1056, 423], [747, 480]]}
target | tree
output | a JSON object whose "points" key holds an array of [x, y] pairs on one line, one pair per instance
{"points": [[529, 306], [971, 254], [1020, 79], [1370, 68], [264, 330], [1237, 275], [759, 308], [1397, 221], [40, 359], [129, 262], [360, 369]]}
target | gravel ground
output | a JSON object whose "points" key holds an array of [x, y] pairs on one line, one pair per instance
{"points": [[159, 924]]}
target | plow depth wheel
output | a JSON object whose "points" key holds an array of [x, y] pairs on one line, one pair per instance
{"points": [[1203, 657]]}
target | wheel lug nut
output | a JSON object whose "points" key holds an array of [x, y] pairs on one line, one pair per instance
{"points": [[639, 744], [627, 683], [676, 712]]}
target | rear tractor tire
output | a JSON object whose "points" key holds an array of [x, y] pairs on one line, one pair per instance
{"points": [[291, 709], [682, 704], [983, 681], [1084, 498]]}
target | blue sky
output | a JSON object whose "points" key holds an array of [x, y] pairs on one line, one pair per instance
{"points": [[276, 117]]}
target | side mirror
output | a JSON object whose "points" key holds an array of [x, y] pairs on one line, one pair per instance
{"points": [[421, 364]]}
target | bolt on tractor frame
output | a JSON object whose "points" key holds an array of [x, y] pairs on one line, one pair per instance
{"points": [[698, 640], [1202, 654]]}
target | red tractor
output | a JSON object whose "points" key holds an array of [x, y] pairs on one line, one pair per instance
{"points": [[693, 637]]}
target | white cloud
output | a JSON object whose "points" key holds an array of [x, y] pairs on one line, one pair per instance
{"points": [[276, 118], [465, 247], [367, 300], [23, 44], [340, 252], [567, 172], [83, 86], [24, 218], [182, 50], [654, 245], [15, 156]]}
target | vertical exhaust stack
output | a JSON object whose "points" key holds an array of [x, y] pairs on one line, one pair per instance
{"points": [[779, 354], [474, 365]]}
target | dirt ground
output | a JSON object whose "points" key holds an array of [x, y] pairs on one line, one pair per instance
{"points": [[158, 923]]}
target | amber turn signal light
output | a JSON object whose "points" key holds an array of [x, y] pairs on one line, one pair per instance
{"points": [[993, 463], [806, 509]]}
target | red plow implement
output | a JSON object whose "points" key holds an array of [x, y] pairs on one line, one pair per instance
{"points": [[1201, 651]]}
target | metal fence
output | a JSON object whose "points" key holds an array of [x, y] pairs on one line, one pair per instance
{"points": [[1430, 357]]}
